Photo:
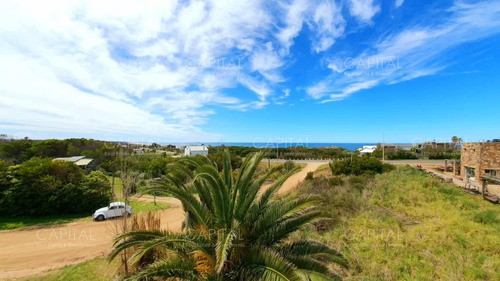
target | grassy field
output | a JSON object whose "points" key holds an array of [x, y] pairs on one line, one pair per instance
{"points": [[141, 207], [405, 225], [118, 186], [96, 270], [7, 223]]}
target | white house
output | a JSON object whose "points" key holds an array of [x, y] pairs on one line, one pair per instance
{"points": [[367, 149], [192, 150], [80, 161]]}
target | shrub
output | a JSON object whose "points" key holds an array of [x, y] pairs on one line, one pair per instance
{"points": [[402, 154], [44, 187], [336, 181], [486, 217], [289, 165], [358, 182], [310, 176], [360, 165]]}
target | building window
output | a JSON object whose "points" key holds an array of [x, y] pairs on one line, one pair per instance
{"points": [[470, 173], [492, 173]]}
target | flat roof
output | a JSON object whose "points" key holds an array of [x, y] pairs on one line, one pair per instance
{"points": [[69, 159], [83, 162], [197, 147]]}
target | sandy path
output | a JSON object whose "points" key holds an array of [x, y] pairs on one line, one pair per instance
{"points": [[29, 252], [296, 178], [32, 251]]}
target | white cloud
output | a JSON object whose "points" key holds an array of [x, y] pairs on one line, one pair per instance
{"points": [[258, 87], [162, 63], [329, 25], [399, 3], [411, 53], [294, 18], [170, 60], [364, 10]]}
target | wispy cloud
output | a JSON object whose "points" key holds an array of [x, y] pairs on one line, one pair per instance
{"points": [[363, 10], [411, 53], [170, 62]]}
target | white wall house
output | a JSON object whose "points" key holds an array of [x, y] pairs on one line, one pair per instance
{"points": [[192, 150], [367, 149]]}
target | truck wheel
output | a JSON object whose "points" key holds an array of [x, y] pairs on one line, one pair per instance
{"points": [[99, 218]]}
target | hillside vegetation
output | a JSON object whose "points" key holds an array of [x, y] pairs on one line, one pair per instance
{"points": [[405, 225]]}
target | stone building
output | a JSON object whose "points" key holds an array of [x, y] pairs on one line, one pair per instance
{"points": [[480, 159]]}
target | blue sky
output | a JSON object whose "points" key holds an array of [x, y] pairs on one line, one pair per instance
{"points": [[244, 71]]}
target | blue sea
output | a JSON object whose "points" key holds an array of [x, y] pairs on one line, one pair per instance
{"points": [[284, 144]]}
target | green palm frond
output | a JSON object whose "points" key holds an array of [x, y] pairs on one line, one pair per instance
{"points": [[146, 241], [282, 230], [172, 269], [316, 250], [278, 211], [271, 191], [233, 231], [266, 265], [224, 242]]}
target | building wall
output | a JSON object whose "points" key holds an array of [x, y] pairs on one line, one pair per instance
{"points": [[189, 152], [205, 152], [481, 156]]}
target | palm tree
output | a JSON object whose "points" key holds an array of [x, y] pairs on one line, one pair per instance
{"points": [[232, 230], [455, 141]]}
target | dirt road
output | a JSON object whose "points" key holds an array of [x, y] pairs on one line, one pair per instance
{"points": [[28, 252], [32, 251], [294, 180]]}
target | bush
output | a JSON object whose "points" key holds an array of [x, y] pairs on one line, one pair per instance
{"points": [[360, 165], [336, 203], [45, 187], [336, 181], [486, 217], [402, 154], [309, 176], [358, 182], [289, 165]]}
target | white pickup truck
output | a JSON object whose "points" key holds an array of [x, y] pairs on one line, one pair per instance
{"points": [[114, 210]]}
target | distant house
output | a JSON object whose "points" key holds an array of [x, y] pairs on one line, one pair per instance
{"points": [[80, 161], [139, 151], [367, 149], [479, 160], [395, 147], [192, 150]]}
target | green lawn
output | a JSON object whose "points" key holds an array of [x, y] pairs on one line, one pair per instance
{"points": [[95, 270], [7, 223], [140, 207], [118, 186]]}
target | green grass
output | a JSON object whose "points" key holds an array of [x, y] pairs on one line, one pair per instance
{"points": [[140, 206], [118, 186], [95, 270], [324, 167], [409, 226], [8, 223]]}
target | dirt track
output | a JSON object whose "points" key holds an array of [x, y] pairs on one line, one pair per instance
{"points": [[31, 251]]}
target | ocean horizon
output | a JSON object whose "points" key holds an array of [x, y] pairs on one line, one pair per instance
{"points": [[349, 146]]}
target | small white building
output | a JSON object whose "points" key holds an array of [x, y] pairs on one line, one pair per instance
{"points": [[139, 151], [80, 161], [192, 150], [367, 149]]}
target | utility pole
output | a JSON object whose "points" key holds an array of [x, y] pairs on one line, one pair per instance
{"points": [[277, 145]]}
